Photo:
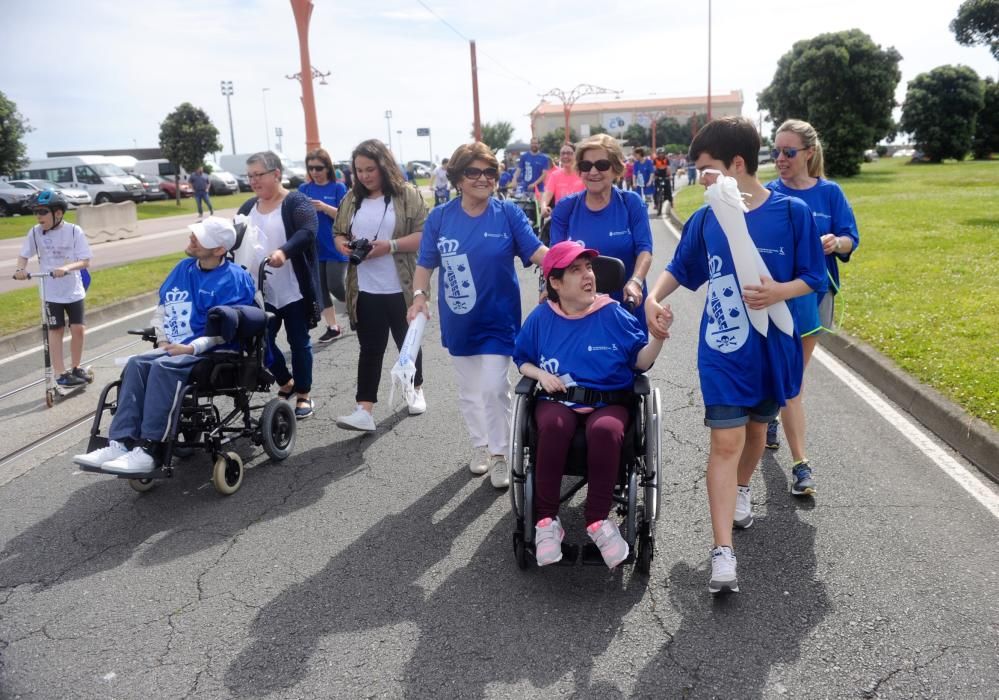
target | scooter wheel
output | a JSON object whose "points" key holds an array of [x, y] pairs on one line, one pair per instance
{"points": [[49, 398]]}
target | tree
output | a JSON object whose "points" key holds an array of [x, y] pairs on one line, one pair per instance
{"points": [[553, 140], [670, 131], [977, 22], [940, 109], [986, 141], [13, 127], [844, 85], [187, 135], [497, 135], [636, 135]]}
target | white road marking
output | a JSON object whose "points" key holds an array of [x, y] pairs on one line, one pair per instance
{"points": [[913, 433]]}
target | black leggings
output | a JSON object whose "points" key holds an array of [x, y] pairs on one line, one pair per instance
{"points": [[377, 315]]}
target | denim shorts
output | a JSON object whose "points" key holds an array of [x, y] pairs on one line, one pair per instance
{"points": [[722, 416]]}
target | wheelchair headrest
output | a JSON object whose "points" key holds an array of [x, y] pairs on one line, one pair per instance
{"points": [[236, 322], [609, 273]]}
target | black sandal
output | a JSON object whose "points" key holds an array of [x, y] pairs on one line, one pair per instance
{"points": [[286, 394]]}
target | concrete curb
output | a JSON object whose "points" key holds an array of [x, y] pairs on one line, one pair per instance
{"points": [[25, 340], [974, 439]]}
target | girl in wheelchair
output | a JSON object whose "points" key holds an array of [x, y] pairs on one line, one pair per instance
{"points": [[583, 348]]}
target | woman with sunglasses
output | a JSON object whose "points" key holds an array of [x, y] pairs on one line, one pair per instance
{"points": [[286, 225], [325, 194], [473, 240], [378, 227], [613, 221], [798, 155]]}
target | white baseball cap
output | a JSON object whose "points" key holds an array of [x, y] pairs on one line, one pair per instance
{"points": [[214, 232]]}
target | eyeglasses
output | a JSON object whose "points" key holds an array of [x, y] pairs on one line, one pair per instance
{"points": [[42, 212], [602, 165], [257, 176], [476, 173], [788, 152], [316, 168]]}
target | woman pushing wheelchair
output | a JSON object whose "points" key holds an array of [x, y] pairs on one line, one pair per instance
{"points": [[584, 349]]}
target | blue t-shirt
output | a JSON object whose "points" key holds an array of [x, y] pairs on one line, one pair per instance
{"points": [[331, 193], [504, 178], [832, 215], [645, 170], [189, 292], [737, 365], [598, 351], [478, 294], [532, 166], [619, 230]]}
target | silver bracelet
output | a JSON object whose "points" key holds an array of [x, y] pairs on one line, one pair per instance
{"points": [[393, 246]]}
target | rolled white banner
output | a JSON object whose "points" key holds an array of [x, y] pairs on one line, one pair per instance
{"points": [[404, 370]]}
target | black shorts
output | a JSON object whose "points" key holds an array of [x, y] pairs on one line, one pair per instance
{"points": [[56, 313]]}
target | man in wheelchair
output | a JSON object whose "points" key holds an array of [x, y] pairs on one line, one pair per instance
{"points": [[584, 349], [151, 383]]}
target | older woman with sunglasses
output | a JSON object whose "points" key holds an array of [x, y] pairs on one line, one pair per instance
{"points": [[378, 226], [325, 193], [798, 155], [474, 240], [603, 217]]}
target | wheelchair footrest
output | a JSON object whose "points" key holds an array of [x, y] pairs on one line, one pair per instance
{"points": [[158, 473], [591, 556], [570, 554]]}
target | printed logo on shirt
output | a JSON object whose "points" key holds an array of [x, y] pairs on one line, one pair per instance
{"points": [[626, 232], [728, 327], [459, 286], [495, 235], [772, 251], [177, 315], [595, 348], [549, 365]]}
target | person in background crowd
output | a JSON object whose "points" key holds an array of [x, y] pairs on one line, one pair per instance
{"points": [[441, 185], [325, 194], [530, 168], [201, 184], [643, 172], [561, 180]]}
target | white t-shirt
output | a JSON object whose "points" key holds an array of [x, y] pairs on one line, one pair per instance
{"points": [[375, 220], [440, 178], [62, 245], [281, 285]]}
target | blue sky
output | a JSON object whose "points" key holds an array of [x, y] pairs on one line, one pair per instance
{"points": [[102, 75]]}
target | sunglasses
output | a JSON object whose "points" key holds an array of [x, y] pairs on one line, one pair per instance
{"points": [[316, 168], [602, 165], [788, 152], [476, 173]]}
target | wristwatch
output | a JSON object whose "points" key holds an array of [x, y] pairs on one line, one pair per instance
{"points": [[419, 292]]}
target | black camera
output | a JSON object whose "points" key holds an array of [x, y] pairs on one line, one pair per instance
{"points": [[359, 250]]}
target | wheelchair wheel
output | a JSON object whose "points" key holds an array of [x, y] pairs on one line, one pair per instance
{"points": [[142, 485], [520, 550], [653, 454], [227, 474], [645, 548], [185, 436], [631, 515], [277, 429]]}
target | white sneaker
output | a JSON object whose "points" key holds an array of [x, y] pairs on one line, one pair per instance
{"points": [[607, 536], [419, 404], [743, 507], [138, 461], [723, 578], [548, 536], [499, 472], [479, 463], [97, 458], [358, 420]]}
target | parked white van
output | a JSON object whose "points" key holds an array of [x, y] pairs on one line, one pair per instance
{"points": [[104, 180], [158, 166]]}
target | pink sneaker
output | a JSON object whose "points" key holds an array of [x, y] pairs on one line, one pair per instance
{"points": [[608, 539], [548, 536]]}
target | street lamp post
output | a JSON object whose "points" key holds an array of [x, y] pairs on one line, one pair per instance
{"points": [[654, 117], [267, 129], [302, 9], [388, 119], [398, 132], [709, 60], [227, 92], [570, 98], [278, 133]]}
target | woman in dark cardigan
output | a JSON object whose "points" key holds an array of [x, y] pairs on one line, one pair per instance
{"points": [[285, 225]]}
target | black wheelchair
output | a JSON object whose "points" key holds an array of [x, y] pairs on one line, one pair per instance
{"points": [[199, 422], [531, 208], [637, 492]]}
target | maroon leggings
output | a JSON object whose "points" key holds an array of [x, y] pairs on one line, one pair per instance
{"points": [[604, 436]]}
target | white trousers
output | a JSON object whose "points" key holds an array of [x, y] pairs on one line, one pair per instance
{"points": [[484, 399]]}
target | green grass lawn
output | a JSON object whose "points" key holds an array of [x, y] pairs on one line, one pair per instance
{"points": [[17, 226], [923, 288]]}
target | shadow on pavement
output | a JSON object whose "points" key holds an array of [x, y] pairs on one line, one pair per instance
{"points": [[487, 622], [729, 646]]}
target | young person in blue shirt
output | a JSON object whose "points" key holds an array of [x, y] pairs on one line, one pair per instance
{"points": [[798, 156], [613, 221], [325, 194], [531, 168], [151, 381], [581, 339], [474, 240], [745, 377], [644, 174]]}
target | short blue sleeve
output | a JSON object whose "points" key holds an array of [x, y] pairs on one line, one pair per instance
{"points": [[560, 220], [690, 260], [638, 221], [429, 256], [809, 260]]}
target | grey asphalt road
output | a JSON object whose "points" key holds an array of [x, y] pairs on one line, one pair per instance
{"points": [[376, 566]]}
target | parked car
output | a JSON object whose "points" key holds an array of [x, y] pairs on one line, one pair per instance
{"points": [[420, 168], [222, 182], [151, 184], [244, 183], [167, 185], [73, 196], [870, 155], [13, 200], [765, 156]]}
